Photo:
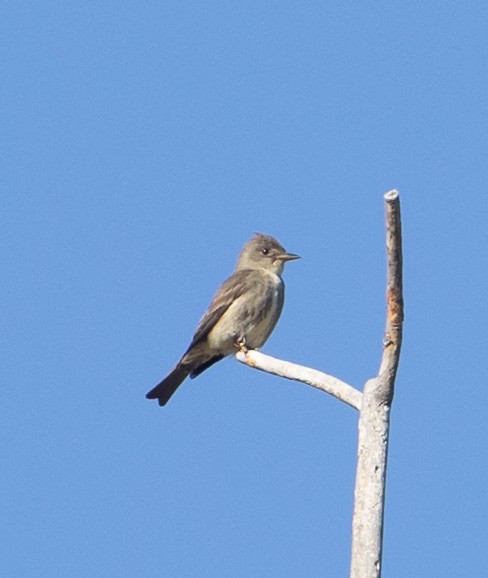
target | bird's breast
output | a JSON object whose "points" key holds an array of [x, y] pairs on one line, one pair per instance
{"points": [[251, 316]]}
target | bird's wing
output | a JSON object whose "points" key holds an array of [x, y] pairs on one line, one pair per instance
{"points": [[229, 291]]}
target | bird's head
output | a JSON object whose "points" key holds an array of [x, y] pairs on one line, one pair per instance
{"points": [[264, 252]]}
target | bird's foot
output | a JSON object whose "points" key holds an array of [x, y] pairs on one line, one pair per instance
{"points": [[241, 344]]}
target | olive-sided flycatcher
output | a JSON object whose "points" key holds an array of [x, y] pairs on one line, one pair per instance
{"points": [[241, 316]]}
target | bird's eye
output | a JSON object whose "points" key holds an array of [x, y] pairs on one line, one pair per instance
{"points": [[265, 251]]}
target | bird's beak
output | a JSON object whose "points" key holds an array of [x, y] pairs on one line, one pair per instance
{"points": [[288, 257]]}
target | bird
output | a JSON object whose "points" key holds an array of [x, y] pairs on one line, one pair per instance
{"points": [[241, 315]]}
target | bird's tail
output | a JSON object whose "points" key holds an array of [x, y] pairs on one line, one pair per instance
{"points": [[164, 390]]}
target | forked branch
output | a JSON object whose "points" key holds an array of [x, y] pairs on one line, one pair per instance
{"points": [[373, 404], [374, 417]]}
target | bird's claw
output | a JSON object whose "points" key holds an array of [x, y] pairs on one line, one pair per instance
{"points": [[241, 344]]}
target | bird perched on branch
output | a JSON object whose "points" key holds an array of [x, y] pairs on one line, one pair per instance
{"points": [[241, 316]]}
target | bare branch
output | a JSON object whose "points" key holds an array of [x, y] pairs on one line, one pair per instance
{"points": [[327, 383], [373, 404], [374, 417], [394, 295]]}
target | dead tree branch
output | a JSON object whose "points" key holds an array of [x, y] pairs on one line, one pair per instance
{"points": [[318, 379], [374, 417], [373, 404]]}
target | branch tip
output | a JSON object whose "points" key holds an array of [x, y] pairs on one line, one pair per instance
{"points": [[392, 195]]}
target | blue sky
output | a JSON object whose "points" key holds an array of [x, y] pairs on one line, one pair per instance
{"points": [[142, 144]]}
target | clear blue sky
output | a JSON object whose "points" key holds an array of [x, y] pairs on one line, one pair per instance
{"points": [[142, 144]]}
